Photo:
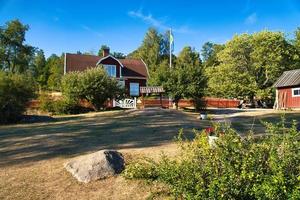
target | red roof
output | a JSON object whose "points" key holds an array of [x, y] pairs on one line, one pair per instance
{"points": [[79, 62]]}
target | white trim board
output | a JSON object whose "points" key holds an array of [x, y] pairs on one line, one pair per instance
{"points": [[293, 89], [99, 62]]}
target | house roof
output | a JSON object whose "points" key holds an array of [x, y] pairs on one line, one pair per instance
{"points": [[79, 62], [288, 78]]}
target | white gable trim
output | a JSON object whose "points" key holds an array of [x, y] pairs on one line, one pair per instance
{"points": [[146, 68], [110, 57]]}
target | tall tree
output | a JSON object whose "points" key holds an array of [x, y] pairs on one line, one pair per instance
{"points": [[55, 64], [103, 46], [118, 55], [39, 69], [250, 64], [186, 79], [209, 53], [297, 38], [150, 49], [15, 55]]}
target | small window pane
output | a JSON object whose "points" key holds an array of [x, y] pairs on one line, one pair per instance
{"points": [[134, 89], [111, 70], [296, 92]]}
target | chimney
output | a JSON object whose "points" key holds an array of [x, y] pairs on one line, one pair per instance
{"points": [[105, 52]]}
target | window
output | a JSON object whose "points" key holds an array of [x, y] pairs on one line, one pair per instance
{"points": [[134, 89], [122, 84], [296, 92], [111, 70]]}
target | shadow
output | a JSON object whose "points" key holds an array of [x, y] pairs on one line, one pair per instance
{"points": [[244, 124], [217, 111], [27, 143]]}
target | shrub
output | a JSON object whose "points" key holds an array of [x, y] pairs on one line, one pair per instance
{"points": [[234, 168], [94, 85], [60, 106], [46, 103], [15, 92]]}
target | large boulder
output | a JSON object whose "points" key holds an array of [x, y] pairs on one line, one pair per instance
{"points": [[98, 165]]}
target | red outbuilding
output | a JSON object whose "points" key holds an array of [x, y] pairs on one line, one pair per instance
{"points": [[288, 90]]}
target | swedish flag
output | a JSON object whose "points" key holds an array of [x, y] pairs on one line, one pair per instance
{"points": [[171, 41]]}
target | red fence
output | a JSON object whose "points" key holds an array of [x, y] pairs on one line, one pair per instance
{"points": [[210, 102], [221, 103]]}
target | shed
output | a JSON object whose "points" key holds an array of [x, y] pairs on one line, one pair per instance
{"points": [[288, 90]]}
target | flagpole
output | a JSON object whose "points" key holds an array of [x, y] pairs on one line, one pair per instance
{"points": [[170, 42], [170, 49]]}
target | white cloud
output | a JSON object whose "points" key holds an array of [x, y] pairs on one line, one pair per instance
{"points": [[150, 20], [251, 19], [89, 29]]}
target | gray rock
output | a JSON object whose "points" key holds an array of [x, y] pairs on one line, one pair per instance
{"points": [[98, 165]]}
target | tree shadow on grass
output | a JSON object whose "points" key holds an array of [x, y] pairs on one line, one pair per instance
{"points": [[76, 136]]}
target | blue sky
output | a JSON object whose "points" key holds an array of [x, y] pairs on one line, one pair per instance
{"points": [[67, 26]]}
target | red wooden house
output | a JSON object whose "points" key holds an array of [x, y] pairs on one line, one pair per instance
{"points": [[132, 73], [288, 90]]}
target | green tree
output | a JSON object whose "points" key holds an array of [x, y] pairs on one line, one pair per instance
{"points": [[15, 55], [94, 85], [150, 50], [160, 76], [100, 52], [231, 78], [15, 91], [55, 64], [186, 79], [118, 55], [296, 45], [297, 39], [250, 64], [209, 53], [271, 55], [39, 68]]}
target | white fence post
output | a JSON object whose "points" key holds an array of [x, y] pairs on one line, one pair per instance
{"points": [[125, 103], [134, 102]]}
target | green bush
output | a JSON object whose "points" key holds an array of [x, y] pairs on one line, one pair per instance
{"points": [[46, 103], [67, 106], [93, 84], [15, 92], [60, 106], [234, 168]]}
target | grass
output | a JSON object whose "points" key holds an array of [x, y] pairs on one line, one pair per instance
{"points": [[32, 155]]}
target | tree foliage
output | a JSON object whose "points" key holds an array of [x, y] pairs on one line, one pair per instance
{"points": [[55, 65], [39, 69], [250, 64], [94, 85], [102, 48], [186, 79], [15, 91], [15, 55], [150, 49]]}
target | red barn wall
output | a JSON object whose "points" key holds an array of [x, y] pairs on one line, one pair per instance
{"points": [[291, 102], [142, 83]]}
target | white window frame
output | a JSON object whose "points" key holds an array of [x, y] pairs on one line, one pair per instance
{"points": [[131, 85], [109, 68], [293, 89]]}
